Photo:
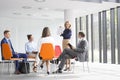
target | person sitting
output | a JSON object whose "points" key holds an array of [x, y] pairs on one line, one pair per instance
{"points": [[73, 53], [31, 50], [7, 40], [46, 38]]}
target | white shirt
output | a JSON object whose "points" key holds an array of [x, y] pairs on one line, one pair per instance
{"points": [[45, 40], [30, 47]]}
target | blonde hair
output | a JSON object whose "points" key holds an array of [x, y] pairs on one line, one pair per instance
{"points": [[68, 23]]}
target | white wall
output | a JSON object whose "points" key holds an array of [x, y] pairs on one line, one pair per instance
{"points": [[21, 27]]}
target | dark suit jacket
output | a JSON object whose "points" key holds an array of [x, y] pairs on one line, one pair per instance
{"points": [[5, 41]]}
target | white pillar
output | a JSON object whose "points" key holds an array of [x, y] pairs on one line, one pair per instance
{"points": [[69, 16]]}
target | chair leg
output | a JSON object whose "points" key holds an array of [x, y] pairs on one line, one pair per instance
{"points": [[26, 67], [2, 66], [55, 65], [83, 67], [73, 67], [55, 69], [8, 67], [11, 67], [88, 67]]}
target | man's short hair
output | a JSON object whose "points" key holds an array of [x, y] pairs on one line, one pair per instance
{"points": [[6, 31], [82, 34], [29, 36]]}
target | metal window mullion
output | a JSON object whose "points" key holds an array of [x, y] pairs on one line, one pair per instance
{"points": [[100, 39], [118, 1], [92, 52], [87, 27], [76, 30], [112, 26], [80, 23], [118, 32], [104, 25]]}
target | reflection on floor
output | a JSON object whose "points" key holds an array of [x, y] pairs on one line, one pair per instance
{"points": [[97, 72]]}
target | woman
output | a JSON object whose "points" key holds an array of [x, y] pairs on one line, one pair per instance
{"points": [[46, 38], [66, 39]]}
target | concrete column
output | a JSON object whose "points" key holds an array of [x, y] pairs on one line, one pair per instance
{"points": [[69, 16]]}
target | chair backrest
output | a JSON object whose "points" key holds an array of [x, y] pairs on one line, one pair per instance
{"points": [[57, 51], [6, 52], [47, 51]]}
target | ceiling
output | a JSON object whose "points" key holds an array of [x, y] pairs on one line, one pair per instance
{"points": [[48, 9]]}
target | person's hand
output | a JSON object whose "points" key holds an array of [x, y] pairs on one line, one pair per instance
{"points": [[73, 48], [35, 52]]}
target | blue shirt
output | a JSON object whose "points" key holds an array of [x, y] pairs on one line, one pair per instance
{"points": [[30, 47], [67, 33]]}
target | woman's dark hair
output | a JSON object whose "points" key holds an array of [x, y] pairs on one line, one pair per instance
{"points": [[6, 31], [29, 36], [82, 34], [46, 32]]}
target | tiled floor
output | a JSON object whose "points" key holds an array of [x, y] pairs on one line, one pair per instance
{"points": [[97, 72]]}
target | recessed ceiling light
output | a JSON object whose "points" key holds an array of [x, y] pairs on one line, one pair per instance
{"points": [[45, 15], [43, 8], [40, 0], [17, 13], [61, 10], [26, 7], [28, 14], [46, 8], [40, 8], [98, 1]]}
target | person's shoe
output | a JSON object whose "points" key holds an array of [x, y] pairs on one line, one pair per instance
{"points": [[41, 66], [57, 61], [58, 71], [54, 61], [17, 72], [76, 59], [48, 73], [35, 68], [67, 69], [40, 58]]}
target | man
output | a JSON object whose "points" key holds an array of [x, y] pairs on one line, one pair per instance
{"points": [[31, 50], [78, 53], [6, 39]]}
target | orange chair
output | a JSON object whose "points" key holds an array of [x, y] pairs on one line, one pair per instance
{"points": [[47, 53], [7, 54], [57, 51]]}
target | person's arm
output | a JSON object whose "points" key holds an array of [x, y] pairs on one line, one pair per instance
{"points": [[82, 47], [26, 50], [69, 33], [71, 47], [39, 44], [63, 34], [53, 42]]}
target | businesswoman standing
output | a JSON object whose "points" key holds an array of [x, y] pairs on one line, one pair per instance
{"points": [[66, 39]]}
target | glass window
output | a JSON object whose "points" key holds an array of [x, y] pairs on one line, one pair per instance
{"points": [[108, 37]]}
